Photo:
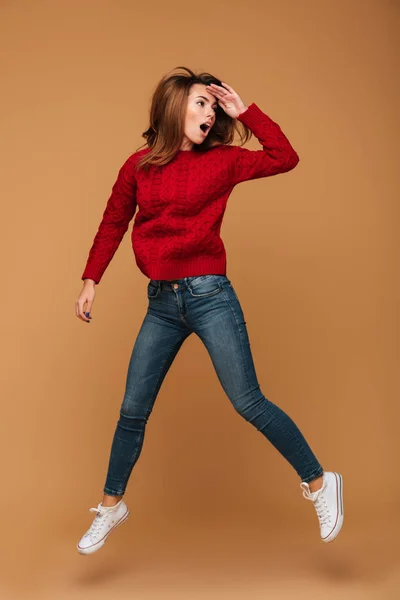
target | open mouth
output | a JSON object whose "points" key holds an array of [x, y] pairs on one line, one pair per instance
{"points": [[205, 127]]}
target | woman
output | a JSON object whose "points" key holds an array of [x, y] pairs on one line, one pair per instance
{"points": [[181, 182]]}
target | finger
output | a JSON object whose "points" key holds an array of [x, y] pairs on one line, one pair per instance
{"points": [[77, 308], [82, 316], [228, 87], [87, 316], [217, 89], [222, 98], [88, 309]]}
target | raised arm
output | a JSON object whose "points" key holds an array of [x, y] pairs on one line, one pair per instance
{"points": [[119, 210], [277, 154]]}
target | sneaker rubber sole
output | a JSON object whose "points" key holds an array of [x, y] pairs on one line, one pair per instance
{"points": [[101, 542]]}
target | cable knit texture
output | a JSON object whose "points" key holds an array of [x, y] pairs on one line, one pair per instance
{"points": [[176, 231]]}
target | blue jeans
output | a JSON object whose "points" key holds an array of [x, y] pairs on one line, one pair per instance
{"points": [[208, 306]]}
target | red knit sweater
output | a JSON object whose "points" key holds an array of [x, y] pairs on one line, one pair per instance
{"points": [[176, 232]]}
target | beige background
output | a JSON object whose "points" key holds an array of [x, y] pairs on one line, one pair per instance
{"points": [[216, 512]]}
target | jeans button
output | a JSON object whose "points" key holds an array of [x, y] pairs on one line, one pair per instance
{"points": [[175, 286]]}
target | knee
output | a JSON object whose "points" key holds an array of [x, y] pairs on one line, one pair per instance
{"points": [[251, 404], [132, 422]]}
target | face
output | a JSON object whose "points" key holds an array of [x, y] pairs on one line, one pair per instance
{"points": [[201, 107]]}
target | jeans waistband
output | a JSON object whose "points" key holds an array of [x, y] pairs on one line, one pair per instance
{"points": [[184, 281]]}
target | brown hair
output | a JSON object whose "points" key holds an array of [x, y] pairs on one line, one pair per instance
{"points": [[167, 113]]}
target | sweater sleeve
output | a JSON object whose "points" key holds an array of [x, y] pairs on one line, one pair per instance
{"points": [[119, 210], [277, 155]]}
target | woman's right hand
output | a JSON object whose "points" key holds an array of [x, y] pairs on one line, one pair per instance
{"points": [[86, 297]]}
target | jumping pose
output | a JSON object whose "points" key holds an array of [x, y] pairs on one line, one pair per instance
{"points": [[180, 182]]}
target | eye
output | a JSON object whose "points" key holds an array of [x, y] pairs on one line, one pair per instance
{"points": [[202, 102]]}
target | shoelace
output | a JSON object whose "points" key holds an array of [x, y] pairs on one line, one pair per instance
{"points": [[320, 504], [98, 520]]}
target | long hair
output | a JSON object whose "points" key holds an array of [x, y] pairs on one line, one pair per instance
{"points": [[167, 114]]}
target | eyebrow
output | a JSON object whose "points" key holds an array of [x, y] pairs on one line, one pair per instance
{"points": [[206, 99]]}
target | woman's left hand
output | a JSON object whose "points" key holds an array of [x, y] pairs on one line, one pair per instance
{"points": [[229, 100]]}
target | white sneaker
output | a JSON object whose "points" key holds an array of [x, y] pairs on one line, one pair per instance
{"points": [[328, 502], [105, 521]]}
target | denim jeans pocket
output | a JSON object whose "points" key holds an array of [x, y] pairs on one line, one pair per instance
{"points": [[204, 286], [153, 289]]}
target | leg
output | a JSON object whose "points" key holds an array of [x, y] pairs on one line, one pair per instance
{"points": [[161, 335], [156, 346], [224, 334]]}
